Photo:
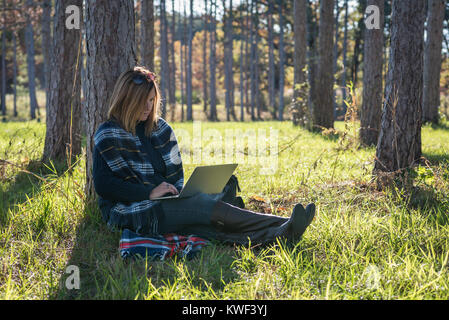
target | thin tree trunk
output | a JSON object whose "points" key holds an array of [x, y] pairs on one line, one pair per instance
{"points": [[206, 29], [102, 20], [312, 53], [258, 94], [372, 80], [147, 34], [181, 62], [399, 144], [242, 32], [164, 80], [271, 66], [189, 66], [247, 55], [29, 41], [63, 117], [228, 60], [46, 45], [432, 61], [14, 45], [334, 68], [281, 63], [323, 113], [252, 63], [3, 93], [213, 63], [172, 91], [299, 61], [345, 60]]}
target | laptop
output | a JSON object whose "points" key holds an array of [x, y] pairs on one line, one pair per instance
{"points": [[206, 179]]}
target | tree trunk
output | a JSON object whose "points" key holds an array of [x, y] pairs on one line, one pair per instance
{"points": [[147, 34], [399, 144], [164, 80], [323, 114], [14, 44], [345, 61], [371, 111], [228, 61], [110, 51], [334, 66], [206, 29], [271, 66], [189, 66], [29, 41], [281, 63], [299, 61], [172, 91], [247, 55], [242, 54], [432, 61], [257, 93], [46, 46], [213, 63], [312, 53], [252, 71], [3, 93], [63, 118], [183, 60]]}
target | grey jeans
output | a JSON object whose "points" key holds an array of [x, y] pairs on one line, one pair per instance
{"points": [[189, 215]]}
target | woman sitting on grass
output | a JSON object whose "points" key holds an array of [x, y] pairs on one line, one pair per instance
{"points": [[136, 159]]}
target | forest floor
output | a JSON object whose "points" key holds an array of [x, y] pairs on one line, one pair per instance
{"points": [[362, 244]]}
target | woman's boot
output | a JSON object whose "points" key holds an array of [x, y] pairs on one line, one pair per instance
{"points": [[241, 226]]}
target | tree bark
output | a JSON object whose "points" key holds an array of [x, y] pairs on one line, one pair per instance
{"points": [[46, 46], [14, 44], [432, 61], [228, 60], [63, 117], [312, 53], [189, 66], [110, 51], [147, 34], [3, 93], [281, 63], [172, 91], [323, 114], [345, 61], [399, 144], [213, 63], [29, 41], [271, 66], [206, 29], [164, 79], [299, 58], [371, 111]]}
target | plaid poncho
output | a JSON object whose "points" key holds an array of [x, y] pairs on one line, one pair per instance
{"points": [[123, 153]]}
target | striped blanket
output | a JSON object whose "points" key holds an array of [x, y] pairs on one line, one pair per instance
{"points": [[133, 245]]}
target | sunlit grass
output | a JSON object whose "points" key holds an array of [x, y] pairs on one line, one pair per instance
{"points": [[363, 244]]}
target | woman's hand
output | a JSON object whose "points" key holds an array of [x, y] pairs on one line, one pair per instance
{"points": [[162, 190]]}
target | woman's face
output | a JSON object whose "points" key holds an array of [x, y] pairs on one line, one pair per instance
{"points": [[148, 108]]}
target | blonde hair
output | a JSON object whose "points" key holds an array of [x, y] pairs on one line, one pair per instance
{"points": [[128, 100]]}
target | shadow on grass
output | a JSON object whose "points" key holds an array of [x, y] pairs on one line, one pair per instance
{"points": [[436, 158], [26, 182], [105, 275]]}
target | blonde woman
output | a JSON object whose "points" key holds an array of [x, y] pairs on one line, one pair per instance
{"points": [[136, 159]]}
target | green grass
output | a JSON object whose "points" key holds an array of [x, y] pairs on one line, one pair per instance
{"points": [[363, 244]]}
